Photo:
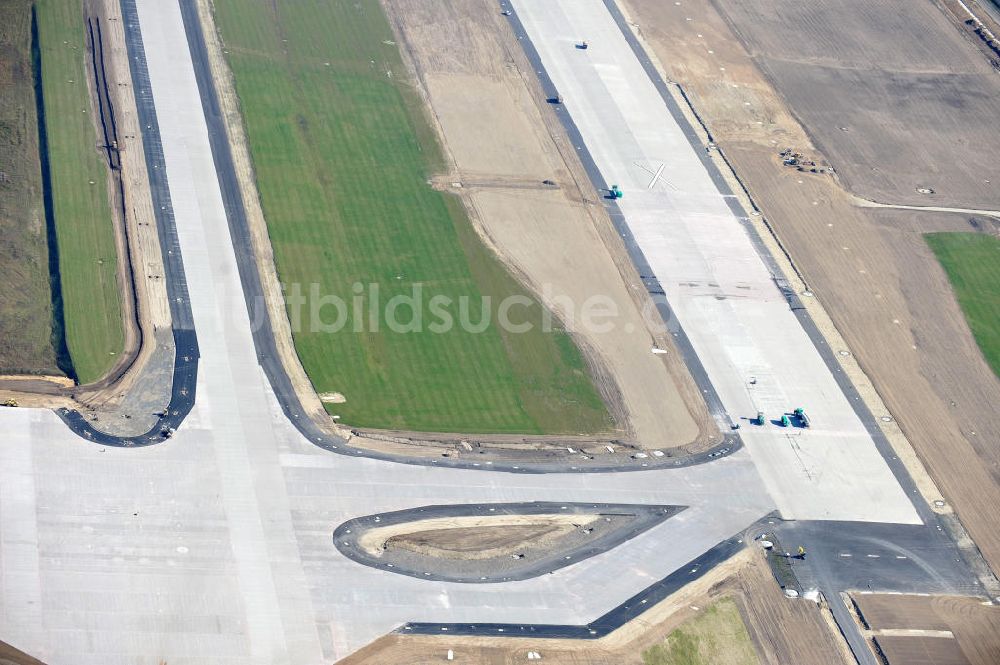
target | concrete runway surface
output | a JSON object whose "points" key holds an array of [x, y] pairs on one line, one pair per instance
{"points": [[216, 546], [755, 351]]}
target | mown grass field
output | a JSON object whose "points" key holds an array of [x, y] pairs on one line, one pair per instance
{"points": [[342, 152], [25, 299], [717, 636], [972, 261], [88, 261]]}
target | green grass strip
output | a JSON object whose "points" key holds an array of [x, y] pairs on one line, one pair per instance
{"points": [[972, 261], [25, 300], [342, 152], [716, 635], [88, 260]]}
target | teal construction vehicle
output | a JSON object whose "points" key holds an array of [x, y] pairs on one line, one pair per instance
{"points": [[615, 193], [800, 413], [785, 422]]}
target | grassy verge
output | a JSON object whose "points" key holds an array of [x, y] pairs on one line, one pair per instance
{"points": [[342, 151], [84, 234], [972, 261], [717, 636], [25, 299]]}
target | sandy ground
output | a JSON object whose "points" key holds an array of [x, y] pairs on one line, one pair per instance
{"points": [[869, 268], [482, 542], [920, 650], [953, 629], [466, 534], [502, 139], [783, 631], [896, 100], [11, 656]]}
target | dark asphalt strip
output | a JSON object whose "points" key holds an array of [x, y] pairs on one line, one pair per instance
{"points": [[182, 395], [346, 537], [619, 616]]}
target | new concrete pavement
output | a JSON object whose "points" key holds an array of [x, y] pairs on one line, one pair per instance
{"points": [[755, 351], [216, 545]]}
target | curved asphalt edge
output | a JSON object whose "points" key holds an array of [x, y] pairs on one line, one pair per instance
{"points": [[263, 333], [182, 394], [603, 625], [345, 536]]}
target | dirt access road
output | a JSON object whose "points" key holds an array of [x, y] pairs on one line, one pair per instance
{"points": [[503, 140], [870, 268]]}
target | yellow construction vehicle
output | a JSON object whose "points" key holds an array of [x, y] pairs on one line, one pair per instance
{"points": [[9, 402]]}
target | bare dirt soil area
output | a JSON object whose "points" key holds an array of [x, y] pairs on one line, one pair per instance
{"points": [[502, 142], [25, 300], [782, 630], [484, 541], [870, 268], [897, 98], [11, 656], [478, 542], [920, 650], [883, 611], [473, 537], [942, 630]]}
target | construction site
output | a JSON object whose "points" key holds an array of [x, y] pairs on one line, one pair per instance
{"points": [[781, 447]]}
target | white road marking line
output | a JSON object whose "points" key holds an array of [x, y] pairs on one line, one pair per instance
{"points": [[656, 176]]}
